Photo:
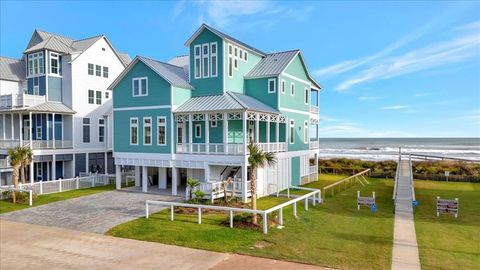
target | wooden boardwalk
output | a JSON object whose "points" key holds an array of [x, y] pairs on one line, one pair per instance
{"points": [[405, 248]]}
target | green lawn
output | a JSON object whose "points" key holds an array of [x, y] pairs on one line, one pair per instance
{"points": [[7, 206], [445, 242], [333, 234]]}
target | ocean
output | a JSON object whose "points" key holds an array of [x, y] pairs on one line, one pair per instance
{"points": [[387, 148]]}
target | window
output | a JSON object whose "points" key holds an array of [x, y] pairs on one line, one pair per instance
{"points": [[91, 97], [39, 171], [90, 69], [99, 97], [241, 54], [235, 58], [36, 87], [272, 86], [198, 131], [35, 63], [86, 130], [107, 95], [147, 131], [292, 89], [105, 72], [213, 59], [38, 129], [283, 87], [98, 70], [306, 95], [213, 123], [245, 56], [134, 131], [161, 133], [292, 131], [197, 55], [230, 61], [205, 60], [305, 132], [140, 86], [101, 130], [54, 63]]}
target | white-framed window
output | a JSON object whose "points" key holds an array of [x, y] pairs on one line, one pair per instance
{"points": [[133, 131], [213, 123], [38, 129], [107, 95], [245, 56], [39, 171], [305, 132], [86, 130], [230, 60], [147, 131], [35, 63], [161, 130], [98, 70], [54, 63], [198, 131], [140, 87], [197, 59], [213, 59], [205, 60], [91, 97], [36, 86], [307, 94], [101, 129], [272, 86], [241, 54], [105, 72], [235, 57], [292, 131], [283, 87], [90, 69], [292, 89], [98, 97]]}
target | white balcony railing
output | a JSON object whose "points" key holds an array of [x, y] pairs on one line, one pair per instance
{"points": [[314, 145], [272, 147], [20, 100], [231, 148], [313, 169], [313, 109], [5, 163], [7, 144], [37, 144]]}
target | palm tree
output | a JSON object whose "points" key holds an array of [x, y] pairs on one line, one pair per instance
{"points": [[27, 158], [257, 159], [15, 157], [191, 184]]}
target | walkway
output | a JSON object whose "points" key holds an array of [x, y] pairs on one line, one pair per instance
{"points": [[405, 249], [26, 246], [94, 213]]}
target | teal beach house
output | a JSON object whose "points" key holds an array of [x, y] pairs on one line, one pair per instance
{"points": [[194, 116]]}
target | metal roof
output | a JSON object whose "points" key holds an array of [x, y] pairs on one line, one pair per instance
{"points": [[173, 74], [83, 44], [228, 101], [51, 107], [12, 69], [52, 43], [182, 61], [223, 36], [272, 65], [125, 58]]}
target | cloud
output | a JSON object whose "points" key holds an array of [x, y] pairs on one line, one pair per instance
{"points": [[395, 107], [420, 95], [349, 129], [363, 98]]}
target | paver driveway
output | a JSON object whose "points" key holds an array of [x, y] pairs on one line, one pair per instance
{"points": [[94, 213]]}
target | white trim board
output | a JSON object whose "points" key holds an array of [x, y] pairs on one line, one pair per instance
{"points": [[142, 108], [295, 78]]}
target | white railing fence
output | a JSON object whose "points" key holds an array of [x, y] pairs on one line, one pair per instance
{"points": [[231, 210], [314, 144], [20, 100], [313, 109], [5, 163], [7, 144], [4, 189], [215, 190]]}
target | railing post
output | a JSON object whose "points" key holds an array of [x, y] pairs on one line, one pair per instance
{"points": [[288, 192], [60, 185], [93, 180], [171, 212], [295, 209], [231, 219], [306, 204], [280, 216], [30, 197], [265, 223], [146, 209], [313, 201], [76, 182], [199, 215], [41, 187]]}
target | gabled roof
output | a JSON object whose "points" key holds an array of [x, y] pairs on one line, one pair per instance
{"points": [[125, 58], [223, 36], [12, 69], [175, 75], [83, 44], [182, 61], [51, 43], [272, 64], [40, 35], [228, 101]]}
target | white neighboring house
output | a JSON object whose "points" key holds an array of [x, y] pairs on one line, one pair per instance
{"points": [[55, 101]]}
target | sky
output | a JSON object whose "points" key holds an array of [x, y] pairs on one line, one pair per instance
{"points": [[387, 69]]}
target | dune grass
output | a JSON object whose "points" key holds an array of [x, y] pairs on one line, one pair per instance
{"points": [[445, 242], [8, 206], [333, 234]]}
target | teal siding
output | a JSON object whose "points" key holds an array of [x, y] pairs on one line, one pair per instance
{"points": [[216, 133], [235, 133], [296, 102], [297, 69], [299, 143], [158, 89], [258, 88], [236, 82], [295, 171], [200, 139], [54, 88], [207, 86]]}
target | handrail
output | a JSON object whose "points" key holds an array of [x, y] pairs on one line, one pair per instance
{"points": [[411, 177], [397, 174], [345, 179]]}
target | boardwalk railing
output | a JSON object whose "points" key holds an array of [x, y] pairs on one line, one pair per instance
{"points": [[359, 177], [264, 213]]}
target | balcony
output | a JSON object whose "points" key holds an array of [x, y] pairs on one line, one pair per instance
{"points": [[5, 163], [314, 144], [313, 109], [37, 144], [20, 100], [231, 148]]}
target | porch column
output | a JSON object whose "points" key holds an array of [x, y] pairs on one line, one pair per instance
{"points": [[277, 131], [244, 129], [257, 129], [4, 127], [20, 124], [190, 133], [48, 130], [54, 168], [11, 121], [174, 181], [74, 173], [207, 172], [244, 182], [144, 179], [162, 178], [137, 176], [207, 133], [105, 171], [268, 133], [30, 131], [287, 128], [53, 130], [225, 133], [118, 177], [87, 169], [31, 172]]}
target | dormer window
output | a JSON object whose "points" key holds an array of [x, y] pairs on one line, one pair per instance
{"points": [[197, 57]]}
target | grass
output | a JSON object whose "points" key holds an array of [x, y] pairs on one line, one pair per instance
{"points": [[7, 206], [445, 242], [333, 234]]}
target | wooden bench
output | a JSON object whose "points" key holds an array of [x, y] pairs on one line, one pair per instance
{"points": [[447, 206]]}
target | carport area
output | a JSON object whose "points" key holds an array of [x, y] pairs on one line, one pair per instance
{"points": [[94, 213]]}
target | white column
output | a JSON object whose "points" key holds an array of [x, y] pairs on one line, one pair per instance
{"points": [[4, 126], [144, 179], [277, 131], [48, 130], [11, 121], [190, 133], [268, 133], [118, 177], [244, 182], [20, 125], [257, 129], [30, 131], [174, 181], [31, 172], [225, 133], [207, 133], [287, 128], [54, 168], [106, 162], [137, 176], [207, 172], [245, 133], [162, 178], [87, 170], [73, 165], [53, 130]]}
